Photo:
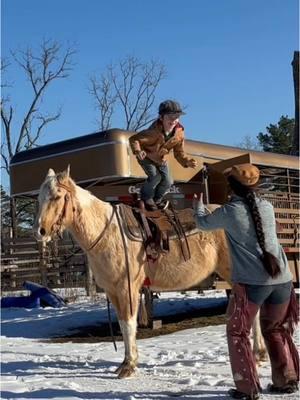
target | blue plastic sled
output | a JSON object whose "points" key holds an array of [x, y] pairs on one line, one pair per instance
{"points": [[40, 296]]}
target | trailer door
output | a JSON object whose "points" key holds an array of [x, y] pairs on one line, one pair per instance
{"points": [[217, 183]]}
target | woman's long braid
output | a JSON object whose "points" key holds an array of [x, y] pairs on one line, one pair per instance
{"points": [[270, 262], [250, 200]]}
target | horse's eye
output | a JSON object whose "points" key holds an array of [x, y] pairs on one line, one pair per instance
{"points": [[56, 198]]}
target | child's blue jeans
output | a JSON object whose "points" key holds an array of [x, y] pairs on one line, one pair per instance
{"points": [[158, 180]]}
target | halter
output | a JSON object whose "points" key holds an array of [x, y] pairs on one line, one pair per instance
{"points": [[62, 215]]}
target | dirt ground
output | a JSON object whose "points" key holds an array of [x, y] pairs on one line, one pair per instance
{"points": [[168, 324]]}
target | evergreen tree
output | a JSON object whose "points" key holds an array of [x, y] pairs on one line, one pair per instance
{"points": [[5, 212], [25, 214], [279, 137]]}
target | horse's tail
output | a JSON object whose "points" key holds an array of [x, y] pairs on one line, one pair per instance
{"points": [[145, 308], [223, 265]]}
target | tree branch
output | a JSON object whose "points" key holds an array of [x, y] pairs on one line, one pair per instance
{"points": [[132, 84], [6, 120], [4, 158], [49, 64], [104, 98]]}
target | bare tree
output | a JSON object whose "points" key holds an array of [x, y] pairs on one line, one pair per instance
{"points": [[42, 67], [249, 143], [105, 100], [130, 84]]}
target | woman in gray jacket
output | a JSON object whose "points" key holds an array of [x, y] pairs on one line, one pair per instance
{"points": [[261, 279]]}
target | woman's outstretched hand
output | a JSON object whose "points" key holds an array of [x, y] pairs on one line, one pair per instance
{"points": [[197, 200]]}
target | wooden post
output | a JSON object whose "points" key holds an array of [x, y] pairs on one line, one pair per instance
{"points": [[295, 64], [55, 262], [289, 181], [91, 288], [13, 216], [13, 278], [205, 178], [151, 322], [43, 263]]}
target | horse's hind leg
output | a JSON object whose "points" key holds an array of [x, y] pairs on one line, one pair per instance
{"points": [[128, 325], [259, 347]]}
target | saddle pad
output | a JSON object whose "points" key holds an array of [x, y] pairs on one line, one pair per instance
{"points": [[134, 232]]}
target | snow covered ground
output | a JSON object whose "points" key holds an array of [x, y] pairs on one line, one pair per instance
{"points": [[190, 364]]}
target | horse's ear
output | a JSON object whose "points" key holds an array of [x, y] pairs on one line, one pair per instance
{"points": [[68, 171], [50, 172]]}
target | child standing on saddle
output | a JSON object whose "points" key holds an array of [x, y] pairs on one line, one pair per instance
{"points": [[261, 280], [152, 147]]}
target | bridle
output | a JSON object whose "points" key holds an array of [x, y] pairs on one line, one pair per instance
{"points": [[58, 224]]}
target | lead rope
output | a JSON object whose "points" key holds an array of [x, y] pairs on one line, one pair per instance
{"points": [[126, 259], [110, 324]]}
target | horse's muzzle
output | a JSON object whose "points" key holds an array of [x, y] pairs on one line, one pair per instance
{"points": [[40, 234]]}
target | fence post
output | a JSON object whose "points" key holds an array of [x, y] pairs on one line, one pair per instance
{"points": [[90, 287], [54, 261], [43, 262]]}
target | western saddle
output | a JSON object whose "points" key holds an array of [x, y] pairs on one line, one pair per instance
{"points": [[156, 228]]}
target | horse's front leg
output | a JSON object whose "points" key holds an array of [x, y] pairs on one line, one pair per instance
{"points": [[128, 326], [128, 366]]}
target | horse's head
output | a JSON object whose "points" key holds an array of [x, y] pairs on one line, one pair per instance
{"points": [[55, 205]]}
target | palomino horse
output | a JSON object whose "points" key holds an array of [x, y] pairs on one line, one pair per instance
{"points": [[95, 226]]}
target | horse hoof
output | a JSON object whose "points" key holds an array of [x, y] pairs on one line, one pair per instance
{"points": [[261, 356], [125, 371], [118, 369]]}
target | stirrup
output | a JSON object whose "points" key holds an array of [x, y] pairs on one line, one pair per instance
{"points": [[163, 205], [236, 394]]}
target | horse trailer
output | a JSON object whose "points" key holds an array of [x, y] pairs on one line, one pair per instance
{"points": [[103, 163]]}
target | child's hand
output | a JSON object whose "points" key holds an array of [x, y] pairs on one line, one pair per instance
{"points": [[192, 163], [141, 155], [162, 152]]}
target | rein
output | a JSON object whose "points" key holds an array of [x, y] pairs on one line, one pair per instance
{"points": [[63, 213], [126, 260], [97, 240]]}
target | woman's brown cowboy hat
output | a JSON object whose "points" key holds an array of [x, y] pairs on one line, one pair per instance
{"points": [[246, 174]]}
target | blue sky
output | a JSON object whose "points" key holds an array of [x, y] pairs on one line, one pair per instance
{"points": [[228, 61]]}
